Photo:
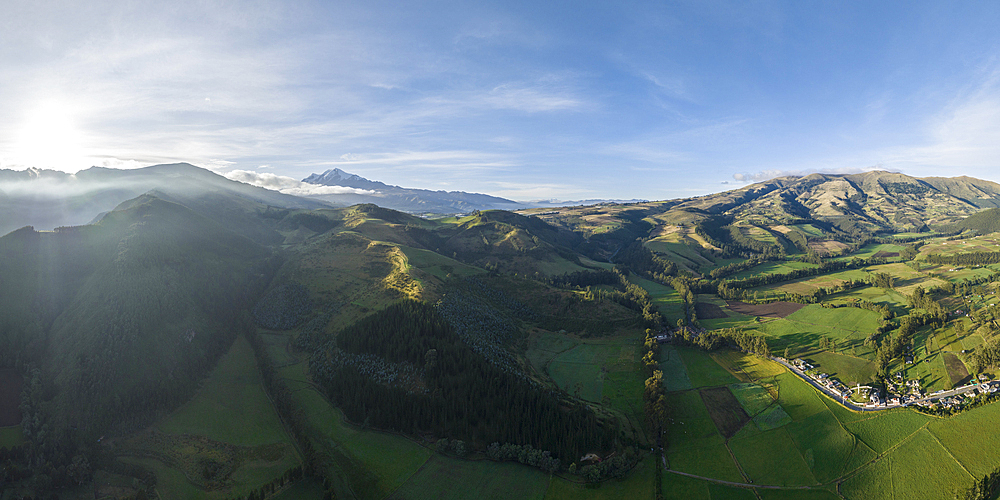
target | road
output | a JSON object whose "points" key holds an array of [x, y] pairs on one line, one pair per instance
{"points": [[836, 397]]}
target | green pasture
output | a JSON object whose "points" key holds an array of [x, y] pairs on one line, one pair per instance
{"points": [[681, 253], [304, 489], [977, 454], [665, 298], [580, 370], [691, 425], [848, 369], [826, 445], [675, 377], [372, 461], [772, 418], [876, 455], [809, 230], [776, 267], [702, 370], [436, 264], [445, 477], [771, 458], [231, 405], [638, 485], [848, 319], [709, 461]]}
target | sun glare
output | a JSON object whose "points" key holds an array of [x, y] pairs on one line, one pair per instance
{"points": [[49, 138]]}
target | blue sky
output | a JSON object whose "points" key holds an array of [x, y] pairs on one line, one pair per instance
{"points": [[526, 100]]}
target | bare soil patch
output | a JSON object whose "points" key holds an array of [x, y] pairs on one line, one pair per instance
{"points": [[957, 371], [10, 397], [707, 310], [885, 255], [772, 310], [725, 410]]}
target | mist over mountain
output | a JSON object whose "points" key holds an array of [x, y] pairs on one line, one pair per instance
{"points": [[47, 199]]}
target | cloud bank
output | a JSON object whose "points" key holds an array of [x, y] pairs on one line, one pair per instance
{"points": [[288, 185]]}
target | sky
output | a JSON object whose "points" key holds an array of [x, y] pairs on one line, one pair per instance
{"points": [[526, 100]]}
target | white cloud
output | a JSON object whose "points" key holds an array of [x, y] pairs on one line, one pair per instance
{"points": [[765, 175], [532, 99], [288, 185]]}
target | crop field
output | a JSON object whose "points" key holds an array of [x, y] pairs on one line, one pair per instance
{"points": [[754, 398], [725, 410], [987, 243], [810, 284], [771, 310], [444, 477], [957, 371], [870, 250], [907, 279]]}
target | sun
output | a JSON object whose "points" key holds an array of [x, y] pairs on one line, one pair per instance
{"points": [[49, 138]]}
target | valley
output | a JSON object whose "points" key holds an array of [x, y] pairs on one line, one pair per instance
{"points": [[223, 344]]}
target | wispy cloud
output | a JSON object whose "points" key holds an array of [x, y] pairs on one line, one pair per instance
{"points": [[765, 175], [289, 185]]}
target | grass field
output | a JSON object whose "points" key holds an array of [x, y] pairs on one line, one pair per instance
{"points": [[675, 377], [665, 298], [231, 407], [778, 267], [702, 370], [444, 478], [581, 369], [436, 264], [638, 485], [372, 462]]}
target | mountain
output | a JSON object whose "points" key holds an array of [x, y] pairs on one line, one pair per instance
{"points": [[869, 201], [406, 199], [47, 199]]}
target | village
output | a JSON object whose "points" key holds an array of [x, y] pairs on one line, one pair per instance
{"points": [[898, 393]]}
